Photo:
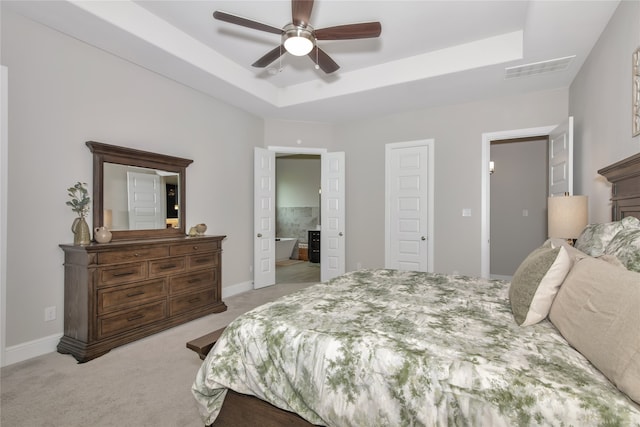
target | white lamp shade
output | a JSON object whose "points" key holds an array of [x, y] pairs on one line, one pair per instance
{"points": [[298, 45], [567, 216]]}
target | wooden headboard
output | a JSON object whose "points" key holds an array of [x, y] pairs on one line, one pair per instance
{"points": [[625, 191]]}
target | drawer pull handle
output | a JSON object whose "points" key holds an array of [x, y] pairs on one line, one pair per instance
{"points": [[135, 317], [195, 248], [167, 266], [136, 254], [192, 300], [123, 273], [194, 280], [135, 294]]}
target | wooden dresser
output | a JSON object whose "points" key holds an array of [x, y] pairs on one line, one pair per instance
{"points": [[122, 291]]}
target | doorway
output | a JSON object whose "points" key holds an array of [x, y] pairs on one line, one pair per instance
{"points": [[518, 202], [561, 142], [409, 206], [297, 214], [333, 212]]}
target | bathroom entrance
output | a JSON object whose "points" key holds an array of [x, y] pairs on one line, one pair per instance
{"points": [[298, 218]]}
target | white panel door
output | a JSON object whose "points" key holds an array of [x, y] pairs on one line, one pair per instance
{"points": [[146, 207], [408, 182], [264, 218], [561, 159], [332, 239]]}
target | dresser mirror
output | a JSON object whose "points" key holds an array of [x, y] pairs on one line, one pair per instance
{"points": [[138, 194]]}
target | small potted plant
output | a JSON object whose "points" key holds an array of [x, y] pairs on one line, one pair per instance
{"points": [[80, 204]]}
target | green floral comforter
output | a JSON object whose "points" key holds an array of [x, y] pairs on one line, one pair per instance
{"points": [[400, 348]]}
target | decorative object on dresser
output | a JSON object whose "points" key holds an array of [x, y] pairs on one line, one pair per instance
{"points": [[147, 279], [80, 204], [201, 229], [102, 235]]}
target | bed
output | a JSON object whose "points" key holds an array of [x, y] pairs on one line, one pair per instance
{"points": [[388, 347]]}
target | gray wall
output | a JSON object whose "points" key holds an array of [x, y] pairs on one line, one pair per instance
{"points": [[600, 101], [457, 131], [62, 93], [518, 184]]}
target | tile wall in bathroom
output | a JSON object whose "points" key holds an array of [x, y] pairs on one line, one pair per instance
{"points": [[296, 221]]}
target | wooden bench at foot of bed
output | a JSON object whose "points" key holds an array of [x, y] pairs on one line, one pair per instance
{"points": [[205, 343]]}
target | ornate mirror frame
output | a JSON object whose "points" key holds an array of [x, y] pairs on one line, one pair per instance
{"points": [[105, 153]]}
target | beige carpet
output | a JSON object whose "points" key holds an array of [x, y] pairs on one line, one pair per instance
{"points": [[145, 383]]}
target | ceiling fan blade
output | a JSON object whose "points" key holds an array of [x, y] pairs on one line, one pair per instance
{"points": [[239, 20], [271, 56], [323, 60], [301, 12], [350, 31]]}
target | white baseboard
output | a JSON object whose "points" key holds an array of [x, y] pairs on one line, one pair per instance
{"points": [[20, 352], [28, 350], [238, 288]]}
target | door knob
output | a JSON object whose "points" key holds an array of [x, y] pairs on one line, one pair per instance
{"points": [[423, 238], [259, 234], [340, 234]]}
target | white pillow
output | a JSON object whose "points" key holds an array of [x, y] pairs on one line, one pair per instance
{"points": [[536, 283]]}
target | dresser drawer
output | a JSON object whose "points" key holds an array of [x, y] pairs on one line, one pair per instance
{"points": [[162, 267], [121, 297], [131, 319], [193, 281], [122, 273], [138, 254], [194, 247], [202, 261], [191, 301]]}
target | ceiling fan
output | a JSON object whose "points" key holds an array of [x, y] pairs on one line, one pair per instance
{"points": [[299, 38]]}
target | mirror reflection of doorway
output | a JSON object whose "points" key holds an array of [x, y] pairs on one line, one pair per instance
{"points": [[297, 217]]}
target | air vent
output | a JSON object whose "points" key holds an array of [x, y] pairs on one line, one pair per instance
{"points": [[535, 68]]}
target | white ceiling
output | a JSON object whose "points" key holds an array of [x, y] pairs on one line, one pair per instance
{"points": [[430, 53]]}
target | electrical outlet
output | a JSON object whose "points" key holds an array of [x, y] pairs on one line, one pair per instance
{"points": [[251, 269], [49, 314], [358, 266]]}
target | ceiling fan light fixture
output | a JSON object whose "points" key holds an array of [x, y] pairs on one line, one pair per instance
{"points": [[298, 41]]}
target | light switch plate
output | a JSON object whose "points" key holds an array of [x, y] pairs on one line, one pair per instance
{"points": [[466, 212]]}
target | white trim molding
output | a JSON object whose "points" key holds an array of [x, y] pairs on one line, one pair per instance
{"points": [[485, 187]]}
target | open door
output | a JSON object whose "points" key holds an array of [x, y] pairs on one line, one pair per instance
{"points": [[264, 218], [332, 239], [561, 159]]}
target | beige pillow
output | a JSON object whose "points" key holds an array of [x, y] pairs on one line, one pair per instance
{"points": [[536, 282], [597, 310]]}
